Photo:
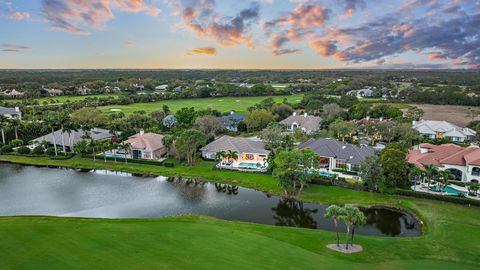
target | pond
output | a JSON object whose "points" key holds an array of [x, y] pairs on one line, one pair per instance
{"points": [[27, 190]]}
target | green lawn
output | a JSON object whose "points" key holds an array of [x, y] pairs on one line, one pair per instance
{"points": [[223, 104], [63, 99], [450, 241]]}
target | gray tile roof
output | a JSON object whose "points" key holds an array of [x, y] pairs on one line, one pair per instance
{"points": [[240, 145], [4, 110], [97, 134], [333, 148], [310, 123], [449, 129]]}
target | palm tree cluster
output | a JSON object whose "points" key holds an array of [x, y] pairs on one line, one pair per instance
{"points": [[351, 216], [228, 155]]}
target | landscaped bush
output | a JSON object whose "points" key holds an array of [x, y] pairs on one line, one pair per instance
{"points": [[23, 150], [38, 151], [50, 151], [452, 199], [6, 149], [458, 183], [62, 157], [345, 172], [16, 143], [168, 164]]}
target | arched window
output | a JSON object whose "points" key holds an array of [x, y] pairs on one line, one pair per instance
{"points": [[457, 174], [476, 171]]}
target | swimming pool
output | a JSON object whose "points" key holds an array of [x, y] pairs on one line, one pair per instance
{"points": [[114, 155], [448, 190], [249, 165]]}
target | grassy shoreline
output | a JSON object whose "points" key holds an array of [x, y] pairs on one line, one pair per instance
{"points": [[451, 240]]}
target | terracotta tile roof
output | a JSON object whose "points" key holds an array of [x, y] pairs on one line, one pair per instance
{"points": [[444, 154], [146, 141]]}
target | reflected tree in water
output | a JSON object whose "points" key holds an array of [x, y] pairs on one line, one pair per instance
{"points": [[292, 213], [193, 190], [229, 189]]}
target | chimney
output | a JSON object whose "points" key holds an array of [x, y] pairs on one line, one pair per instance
{"points": [[232, 113], [294, 113], [17, 109], [368, 118], [414, 122], [305, 115], [381, 119], [142, 132]]}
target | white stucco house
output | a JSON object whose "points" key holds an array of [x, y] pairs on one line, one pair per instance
{"points": [[12, 113], [441, 129]]}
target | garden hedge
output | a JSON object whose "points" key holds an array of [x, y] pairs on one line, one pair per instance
{"points": [[445, 198]]}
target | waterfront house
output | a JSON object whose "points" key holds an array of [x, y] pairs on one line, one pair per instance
{"points": [[146, 146], [73, 138], [337, 155], [442, 129], [462, 163], [231, 121], [305, 122], [12, 113], [251, 152]]}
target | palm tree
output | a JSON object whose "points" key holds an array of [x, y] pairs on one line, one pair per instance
{"points": [[92, 144], [220, 155], [125, 147], [430, 173], [232, 155], [114, 149], [359, 219], [62, 119], [443, 177], [51, 123], [333, 212], [3, 125], [69, 128], [15, 123], [167, 141], [352, 216], [415, 174]]}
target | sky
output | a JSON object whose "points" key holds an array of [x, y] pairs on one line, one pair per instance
{"points": [[232, 34]]}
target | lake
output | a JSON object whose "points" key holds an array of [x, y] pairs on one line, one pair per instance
{"points": [[28, 190]]}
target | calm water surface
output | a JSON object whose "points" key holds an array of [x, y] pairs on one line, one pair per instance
{"points": [[102, 194]]}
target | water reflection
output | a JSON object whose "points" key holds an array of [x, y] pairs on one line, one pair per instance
{"points": [[293, 214], [104, 194]]}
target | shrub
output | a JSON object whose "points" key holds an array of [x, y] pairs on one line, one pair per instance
{"points": [[16, 143], [61, 157], [168, 164], [6, 149], [452, 199], [23, 150], [38, 151], [50, 151]]}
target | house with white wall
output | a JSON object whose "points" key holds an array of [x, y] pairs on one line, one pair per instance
{"points": [[307, 123], [462, 163], [442, 129], [146, 146]]}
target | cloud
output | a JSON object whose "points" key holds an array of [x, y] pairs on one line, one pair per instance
{"points": [[74, 15], [203, 51], [13, 14], [200, 17], [9, 47], [350, 6]]}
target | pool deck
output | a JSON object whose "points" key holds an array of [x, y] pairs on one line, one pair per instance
{"points": [[423, 188]]}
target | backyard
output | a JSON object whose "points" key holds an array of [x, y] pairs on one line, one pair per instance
{"points": [[450, 239], [223, 104]]}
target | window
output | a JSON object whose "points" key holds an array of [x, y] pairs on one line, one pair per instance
{"points": [[249, 156], [476, 171], [341, 164]]}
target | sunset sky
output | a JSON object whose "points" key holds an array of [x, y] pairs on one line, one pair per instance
{"points": [[277, 34]]}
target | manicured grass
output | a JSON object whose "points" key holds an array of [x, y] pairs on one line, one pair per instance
{"points": [[450, 241], [63, 99], [223, 104]]}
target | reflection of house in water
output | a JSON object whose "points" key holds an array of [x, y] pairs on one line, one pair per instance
{"points": [[291, 213]]}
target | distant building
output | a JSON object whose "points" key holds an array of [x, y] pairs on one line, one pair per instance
{"points": [[12, 113], [162, 87], [146, 146], [362, 93], [462, 163], [73, 138], [231, 121], [54, 92], [305, 122], [13, 94], [83, 90], [442, 129]]}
